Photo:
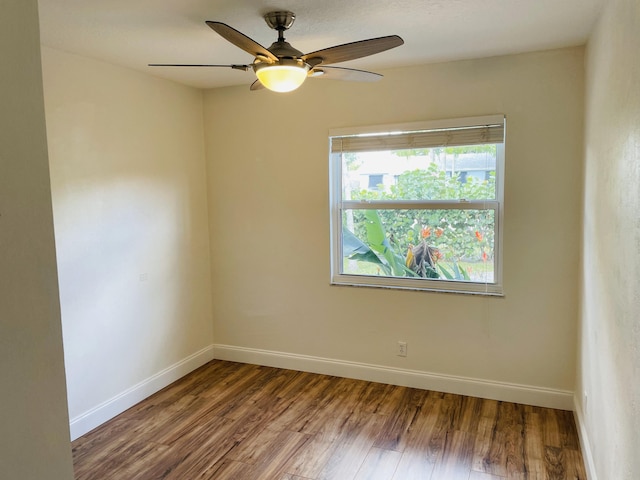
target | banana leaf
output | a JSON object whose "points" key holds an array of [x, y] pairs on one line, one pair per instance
{"points": [[354, 249], [379, 243], [447, 274], [460, 273]]}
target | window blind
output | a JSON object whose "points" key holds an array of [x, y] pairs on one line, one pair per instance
{"points": [[476, 135]]}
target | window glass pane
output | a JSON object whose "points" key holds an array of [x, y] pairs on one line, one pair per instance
{"points": [[443, 173], [445, 244]]}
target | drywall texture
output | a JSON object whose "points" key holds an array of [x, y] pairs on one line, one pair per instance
{"points": [[609, 360], [269, 214], [34, 438], [129, 198]]}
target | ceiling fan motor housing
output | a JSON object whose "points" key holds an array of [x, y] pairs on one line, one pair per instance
{"points": [[282, 49]]}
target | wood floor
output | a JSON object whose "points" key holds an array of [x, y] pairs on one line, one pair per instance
{"points": [[244, 422]]}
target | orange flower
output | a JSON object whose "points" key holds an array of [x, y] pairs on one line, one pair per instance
{"points": [[437, 255], [425, 232], [478, 236], [439, 232], [484, 256]]}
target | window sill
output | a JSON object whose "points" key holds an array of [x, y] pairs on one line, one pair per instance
{"points": [[435, 286]]}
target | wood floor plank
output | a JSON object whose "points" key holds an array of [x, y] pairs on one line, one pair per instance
{"points": [[200, 379], [379, 464], [568, 432], [227, 470], [483, 476], [554, 463], [574, 467], [90, 449], [169, 423], [422, 431], [270, 463], [455, 463], [317, 452], [397, 427], [505, 455], [312, 391], [550, 428], [534, 446], [232, 403], [352, 447], [487, 453], [228, 420], [418, 459], [376, 399], [413, 465], [195, 452], [112, 466], [338, 403], [447, 406], [468, 414]]}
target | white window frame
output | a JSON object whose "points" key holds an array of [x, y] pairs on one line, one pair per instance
{"points": [[337, 205]]}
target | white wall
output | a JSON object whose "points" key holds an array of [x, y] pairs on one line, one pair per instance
{"points": [[34, 438], [130, 209], [270, 252], [609, 359]]}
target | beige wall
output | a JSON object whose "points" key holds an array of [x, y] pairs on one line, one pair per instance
{"points": [[269, 215], [34, 428], [130, 209], [609, 360]]}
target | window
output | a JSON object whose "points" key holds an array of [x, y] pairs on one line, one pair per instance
{"points": [[434, 223], [375, 181]]}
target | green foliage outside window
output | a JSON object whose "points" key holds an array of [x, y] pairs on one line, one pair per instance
{"points": [[433, 243]]}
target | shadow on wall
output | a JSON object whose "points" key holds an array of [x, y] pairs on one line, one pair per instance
{"points": [[126, 280]]}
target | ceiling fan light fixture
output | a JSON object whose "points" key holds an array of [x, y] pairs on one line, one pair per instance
{"points": [[284, 76]]}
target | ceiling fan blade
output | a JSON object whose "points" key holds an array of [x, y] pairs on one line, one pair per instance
{"points": [[351, 51], [235, 67], [240, 40], [349, 74], [257, 85]]}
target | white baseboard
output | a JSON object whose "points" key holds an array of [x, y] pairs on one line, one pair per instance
{"points": [[585, 445], [96, 416], [502, 391], [474, 387]]}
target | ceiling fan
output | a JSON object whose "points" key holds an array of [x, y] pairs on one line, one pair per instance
{"points": [[282, 68]]}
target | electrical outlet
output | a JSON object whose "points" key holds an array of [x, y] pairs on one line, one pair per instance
{"points": [[402, 349]]}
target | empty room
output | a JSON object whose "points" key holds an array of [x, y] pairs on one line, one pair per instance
{"points": [[320, 240]]}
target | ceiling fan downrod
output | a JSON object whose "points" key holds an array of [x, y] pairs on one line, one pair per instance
{"points": [[281, 21]]}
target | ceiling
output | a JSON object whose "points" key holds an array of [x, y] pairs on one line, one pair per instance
{"points": [[133, 33]]}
